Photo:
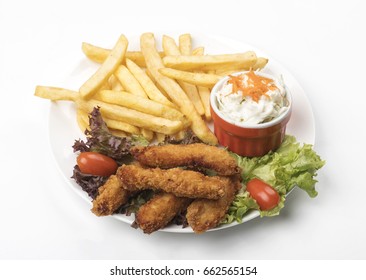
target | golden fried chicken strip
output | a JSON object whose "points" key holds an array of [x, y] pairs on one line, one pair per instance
{"points": [[191, 155], [182, 183], [205, 214], [110, 196], [159, 211]]}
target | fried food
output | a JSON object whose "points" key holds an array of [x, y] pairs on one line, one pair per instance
{"points": [[107, 68], [193, 78], [98, 54], [122, 127], [211, 62], [192, 155], [203, 91], [148, 85], [110, 196], [139, 103], [205, 214], [55, 93], [185, 46], [132, 117], [172, 88], [129, 82], [182, 183], [159, 211]]}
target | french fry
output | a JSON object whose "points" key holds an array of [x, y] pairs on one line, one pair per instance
{"points": [[179, 136], [211, 62], [185, 44], [159, 137], [147, 133], [157, 85], [138, 103], [170, 48], [137, 57], [82, 120], [225, 72], [185, 47], [195, 78], [132, 117], [114, 83], [198, 51], [104, 86], [204, 92], [111, 124], [260, 63], [55, 93], [148, 85], [94, 53], [122, 126], [103, 73], [98, 54], [175, 92], [129, 82], [118, 133]]}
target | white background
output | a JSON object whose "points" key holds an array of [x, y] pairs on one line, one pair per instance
{"points": [[322, 43]]}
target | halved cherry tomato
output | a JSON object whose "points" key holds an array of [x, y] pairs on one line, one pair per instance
{"points": [[265, 195], [96, 164]]}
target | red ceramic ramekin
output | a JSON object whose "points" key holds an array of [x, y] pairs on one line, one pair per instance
{"points": [[244, 139]]}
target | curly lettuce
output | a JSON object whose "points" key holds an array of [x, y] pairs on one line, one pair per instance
{"points": [[99, 139], [289, 166]]}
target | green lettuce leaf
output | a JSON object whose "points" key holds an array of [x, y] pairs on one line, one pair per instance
{"points": [[241, 205], [289, 166]]}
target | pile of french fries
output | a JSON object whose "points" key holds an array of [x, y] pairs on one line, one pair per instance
{"points": [[150, 92]]}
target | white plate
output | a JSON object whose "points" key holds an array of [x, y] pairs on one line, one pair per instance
{"points": [[63, 129]]}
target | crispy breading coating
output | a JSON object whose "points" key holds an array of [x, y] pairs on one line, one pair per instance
{"points": [[191, 155], [182, 183], [159, 211], [205, 214], [110, 196]]}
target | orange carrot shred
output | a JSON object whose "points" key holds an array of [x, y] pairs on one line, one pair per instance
{"points": [[257, 86]]}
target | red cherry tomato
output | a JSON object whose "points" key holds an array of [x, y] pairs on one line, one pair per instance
{"points": [[96, 164], [266, 196]]}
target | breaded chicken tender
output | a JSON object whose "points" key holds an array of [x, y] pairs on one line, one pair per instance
{"points": [[110, 196], [205, 214], [182, 183], [191, 155], [159, 211]]}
